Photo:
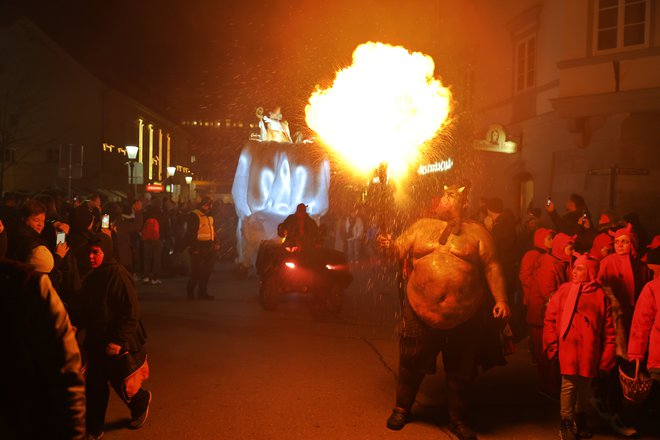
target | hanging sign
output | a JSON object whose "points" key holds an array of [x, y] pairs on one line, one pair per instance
{"points": [[495, 141]]}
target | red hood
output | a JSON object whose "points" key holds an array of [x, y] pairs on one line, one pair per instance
{"points": [[539, 237], [559, 243]]}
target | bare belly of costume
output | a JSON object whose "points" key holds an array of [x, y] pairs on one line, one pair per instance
{"points": [[444, 290]]}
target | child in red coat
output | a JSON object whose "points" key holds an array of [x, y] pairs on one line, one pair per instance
{"points": [[579, 331]]}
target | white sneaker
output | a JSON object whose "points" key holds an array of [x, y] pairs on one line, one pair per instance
{"points": [[617, 425]]}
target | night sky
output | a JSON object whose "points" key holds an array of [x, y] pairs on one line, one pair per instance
{"points": [[217, 59]]}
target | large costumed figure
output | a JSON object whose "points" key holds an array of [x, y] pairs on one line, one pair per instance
{"points": [[454, 266]]}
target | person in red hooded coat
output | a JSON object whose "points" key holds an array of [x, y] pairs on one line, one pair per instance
{"points": [[623, 275], [602, 246], [552, 270], [644, 334], [579, 332]]}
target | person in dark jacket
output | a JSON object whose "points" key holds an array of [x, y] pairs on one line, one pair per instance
{"points": [[81, 223], [299, 229], [575, 222], [115, 338], [42, 388], [203, 247]]}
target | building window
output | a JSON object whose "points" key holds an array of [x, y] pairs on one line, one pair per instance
{"points": [[622, 24], [525, 64]]}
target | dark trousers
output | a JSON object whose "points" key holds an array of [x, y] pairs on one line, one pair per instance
{"points": [[201, 267], [97, 393], [419, 347]]}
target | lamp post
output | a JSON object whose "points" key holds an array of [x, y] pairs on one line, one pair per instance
{"points": [[131, 153], [189, 182], [171, 170]]}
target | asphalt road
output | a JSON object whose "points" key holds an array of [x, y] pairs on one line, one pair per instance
{"points": [[227, 369]]}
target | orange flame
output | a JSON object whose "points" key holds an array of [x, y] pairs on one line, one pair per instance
{"points": [[383, 108]]}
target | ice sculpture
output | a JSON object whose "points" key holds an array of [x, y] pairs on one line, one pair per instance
{"points": [[271, 179]]}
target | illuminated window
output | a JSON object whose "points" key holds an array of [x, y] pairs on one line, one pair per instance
{"points": [[621, 24], [525, 72]]}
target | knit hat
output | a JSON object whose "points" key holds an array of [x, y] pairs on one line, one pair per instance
{"points": [[601, 241], [628, 231], [539, 237], [104, 241], [559, 243]]}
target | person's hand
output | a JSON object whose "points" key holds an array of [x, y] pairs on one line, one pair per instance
{"points": [[501, 310], [107, 232], [112, 349], [61, 227], [550, 207], [384, 241], [61, 249]]}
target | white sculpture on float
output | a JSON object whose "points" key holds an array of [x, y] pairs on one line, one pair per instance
{"points": [[271, 179]]}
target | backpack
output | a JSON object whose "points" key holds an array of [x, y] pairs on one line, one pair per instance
{"points": [[151, 229]]}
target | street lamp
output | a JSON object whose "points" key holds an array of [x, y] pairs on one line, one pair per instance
{"points": [[131, 153], [171, 170], [188, 181]]}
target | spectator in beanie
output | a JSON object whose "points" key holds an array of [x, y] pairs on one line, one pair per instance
{"points": [[153, 230], [115, 341], [127, 225], [579, 332]]}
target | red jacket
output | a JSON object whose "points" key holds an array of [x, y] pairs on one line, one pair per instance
{"points": [[589, 344], [530, 260], [551, 272], [626, 276], [645, 330]]}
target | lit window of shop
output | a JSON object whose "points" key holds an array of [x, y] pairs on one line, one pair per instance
{"points": [[525, 71], [621, 24]]}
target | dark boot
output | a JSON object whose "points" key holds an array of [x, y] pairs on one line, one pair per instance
{"points": [[581, 429], [406, 390], [567, 430], [397, 419], [462, 430]]}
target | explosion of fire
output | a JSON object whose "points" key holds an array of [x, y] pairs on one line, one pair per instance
{"points": [[383, 108]]}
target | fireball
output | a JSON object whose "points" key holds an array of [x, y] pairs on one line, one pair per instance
{"points": [[384, 108]]}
